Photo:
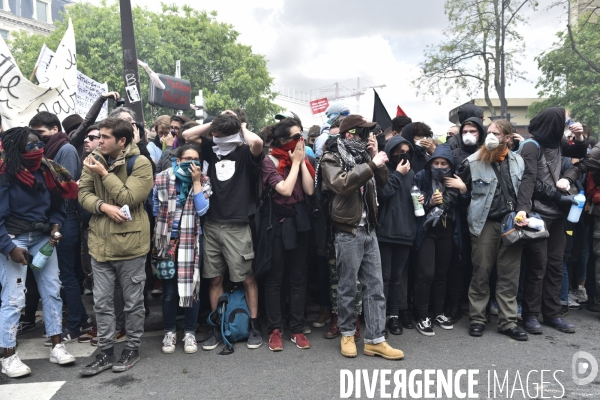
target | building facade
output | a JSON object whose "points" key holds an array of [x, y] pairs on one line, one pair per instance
{"points": [[32, 16]]}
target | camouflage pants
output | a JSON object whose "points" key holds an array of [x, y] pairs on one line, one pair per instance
{"points": [[333, 278]]}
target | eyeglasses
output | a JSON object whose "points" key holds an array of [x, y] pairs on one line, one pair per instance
{"points": [[35, 145], [190, 159], [91, 138]]}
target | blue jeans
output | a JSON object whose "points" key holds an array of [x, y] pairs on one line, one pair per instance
{"points": [[67, 252], [358, 256], [13, 277], [170, 301]]}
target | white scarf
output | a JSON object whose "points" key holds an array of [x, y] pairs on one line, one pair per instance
{"points": [[227, 144]]}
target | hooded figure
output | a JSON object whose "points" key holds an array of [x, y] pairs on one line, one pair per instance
{"points": [[420, 157], [396, 211], [466, 112], [464, 150], [548, 126]]}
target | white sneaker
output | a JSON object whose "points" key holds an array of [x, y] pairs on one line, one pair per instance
{"points": [[190, 346], [168, 345], [13, 367], [573, 303], [59, 355], [581, 295]]}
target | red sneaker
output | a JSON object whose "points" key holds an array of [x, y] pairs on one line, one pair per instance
{"points": [[275, 343], [300, 340]]}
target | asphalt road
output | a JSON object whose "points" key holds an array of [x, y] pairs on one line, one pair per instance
{"points": [[315, 373]]}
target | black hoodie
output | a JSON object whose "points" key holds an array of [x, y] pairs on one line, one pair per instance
{"points": [[420, 157], [464, 151], [396, 213], [469, 110]]}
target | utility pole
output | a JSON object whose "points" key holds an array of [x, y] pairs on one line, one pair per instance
{"points": [[131, 76]]}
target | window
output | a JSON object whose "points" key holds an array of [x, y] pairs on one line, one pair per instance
{"points": [[42, 11], [4, 34]]}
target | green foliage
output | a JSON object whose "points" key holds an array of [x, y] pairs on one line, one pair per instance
{"points": [[227, 72], [468, 60], [567, 80]]}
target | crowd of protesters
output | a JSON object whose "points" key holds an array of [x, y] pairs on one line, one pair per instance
{"points": [[188, 211]]}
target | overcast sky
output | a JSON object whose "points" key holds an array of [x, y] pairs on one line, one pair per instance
{"points": [[310, 44]]}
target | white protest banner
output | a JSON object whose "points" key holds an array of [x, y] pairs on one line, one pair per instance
{"points": [[21, 99], [88, 90]]}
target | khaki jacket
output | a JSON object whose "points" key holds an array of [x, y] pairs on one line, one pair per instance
{"points": [[108, 240], [346, 207]]}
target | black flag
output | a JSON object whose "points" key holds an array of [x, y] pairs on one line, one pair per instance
{"points": [[380, 114]]}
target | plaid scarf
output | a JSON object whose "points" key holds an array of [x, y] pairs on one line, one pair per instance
{"points": [[352, 152], [188, 252]]}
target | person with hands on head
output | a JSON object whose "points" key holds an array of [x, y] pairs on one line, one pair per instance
{"points": [[542, 158], [419, 135], [181, 197], [437, 234], [32, 211], [234, 157], [397, 232], [352, 169], [114, 176], [288, 177]]}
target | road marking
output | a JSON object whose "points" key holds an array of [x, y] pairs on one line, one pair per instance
{"points": [[28, 391]]}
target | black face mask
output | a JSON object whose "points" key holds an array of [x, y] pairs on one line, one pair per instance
{"points": [[399, 158], [448, 138], [363, 133], [438, 174]]}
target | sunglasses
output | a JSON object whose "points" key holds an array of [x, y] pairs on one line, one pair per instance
{"points": [[35, 145], [91, 138]]}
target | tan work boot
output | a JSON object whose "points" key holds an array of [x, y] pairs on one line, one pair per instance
{"points": [[382, 349], [324, 318], [348, 347]]}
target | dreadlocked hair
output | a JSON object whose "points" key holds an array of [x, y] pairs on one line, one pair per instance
{"points": [[14, 142]]}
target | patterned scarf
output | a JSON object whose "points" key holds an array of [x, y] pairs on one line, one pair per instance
{"points": [[54, 143], [352, 152], [188, 253], [57, 179]]}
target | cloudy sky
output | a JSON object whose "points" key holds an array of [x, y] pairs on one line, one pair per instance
{"points": [[310, 44]]}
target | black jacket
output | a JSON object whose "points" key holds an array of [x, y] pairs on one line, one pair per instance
{"points": [[396, 215], [420, 157]]}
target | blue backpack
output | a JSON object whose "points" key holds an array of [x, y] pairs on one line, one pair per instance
{"points": [[530, 141], [232, 317]]}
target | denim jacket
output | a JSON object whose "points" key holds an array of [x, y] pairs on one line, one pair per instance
{"points": [[483, 187]]}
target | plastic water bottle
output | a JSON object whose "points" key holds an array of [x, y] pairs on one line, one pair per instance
{"points": [[535, 223], [42, 256], [415, 193], [576, 210]]}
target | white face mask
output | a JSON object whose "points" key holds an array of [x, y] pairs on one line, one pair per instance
{"points": [[469, 139], [491, 142], [418, 142]]}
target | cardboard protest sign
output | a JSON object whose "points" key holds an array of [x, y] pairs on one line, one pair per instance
{"points": [[21, 99], [88, 90]]}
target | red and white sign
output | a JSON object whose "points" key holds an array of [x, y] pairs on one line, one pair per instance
{"points": [[319, 106]]}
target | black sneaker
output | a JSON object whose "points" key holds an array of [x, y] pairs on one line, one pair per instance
{"points": [[128, 359], [212, 342], [443, 322], [254, 338], [102, 362], [87, 325], [25, 327], [424, 327], [454, 311], [406, 319]]}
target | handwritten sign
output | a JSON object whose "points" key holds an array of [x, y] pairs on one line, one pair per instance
{"points": [[319, 106], [88, 90], [21, 99], [176, 93]]}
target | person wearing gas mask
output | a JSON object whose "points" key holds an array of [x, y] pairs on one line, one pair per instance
{"points": [[542, 157], [437, 233], [351, 169], [466, 112], [419, 135], [398, 228], [492, 176]]}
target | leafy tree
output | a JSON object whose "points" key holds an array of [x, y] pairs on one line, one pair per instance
{"points": [[229, 73], [569, 79], [470, 59]]}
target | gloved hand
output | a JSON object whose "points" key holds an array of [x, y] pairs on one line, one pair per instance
{"points": [[432, 219], [567, 201]]}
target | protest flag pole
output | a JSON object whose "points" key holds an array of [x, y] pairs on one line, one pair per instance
{"points": [[131, 76]]}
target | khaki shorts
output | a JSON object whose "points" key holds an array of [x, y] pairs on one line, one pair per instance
{"points": [[227, 245]]}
